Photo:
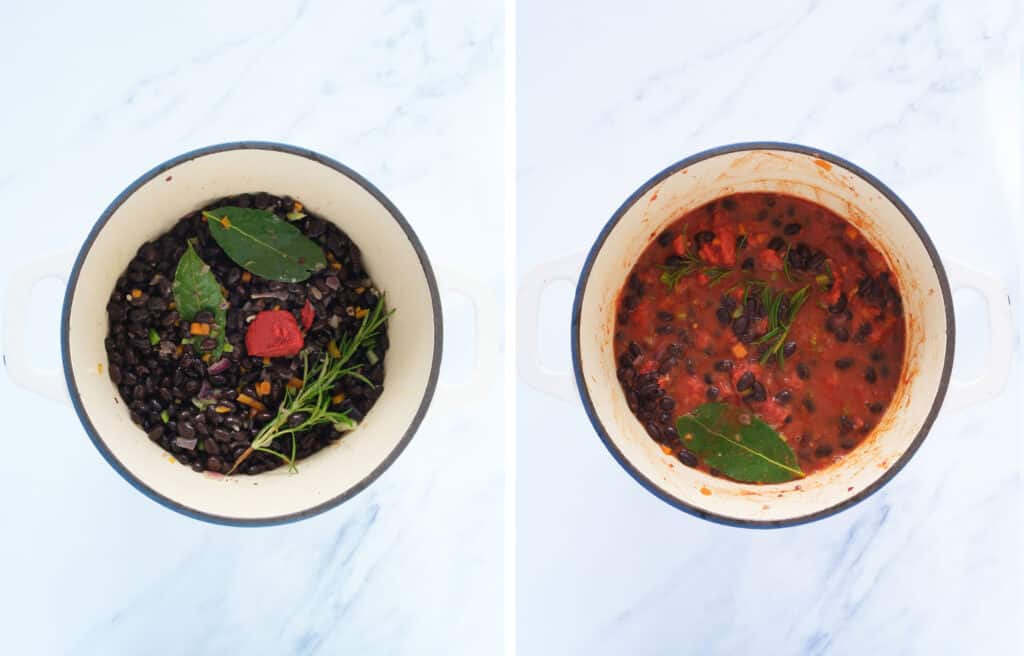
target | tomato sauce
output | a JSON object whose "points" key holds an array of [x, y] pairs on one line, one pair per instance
{"points": [[767, 302]]}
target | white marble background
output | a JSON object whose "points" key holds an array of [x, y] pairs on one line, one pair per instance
{"points": [[926, 95], [93, 94]]}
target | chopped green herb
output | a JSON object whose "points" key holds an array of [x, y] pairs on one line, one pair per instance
{"points": [[154, 337], [164, 417]]}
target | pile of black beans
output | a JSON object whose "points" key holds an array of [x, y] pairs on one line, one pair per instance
{"points": [[161, 382], [878, 291]]}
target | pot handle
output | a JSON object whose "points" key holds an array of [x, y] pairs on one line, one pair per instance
{"points": [[1000, 344], [16, 356], [485, 307], [531, 369]]}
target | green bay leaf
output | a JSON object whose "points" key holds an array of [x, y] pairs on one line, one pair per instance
{"points": [[738, 444], [265, 245], [196, 289]]}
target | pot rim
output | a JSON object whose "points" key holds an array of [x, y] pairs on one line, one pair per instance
{"points": [[651, 486], [83, 415]]}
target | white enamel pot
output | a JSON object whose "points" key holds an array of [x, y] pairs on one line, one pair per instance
{"points": [[394, 258], [884, 220]]}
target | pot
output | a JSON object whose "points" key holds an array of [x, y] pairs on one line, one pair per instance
{"points": [[884, 220], [392, 255]]}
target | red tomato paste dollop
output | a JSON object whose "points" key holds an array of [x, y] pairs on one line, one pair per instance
{"points": [[273, 334]]}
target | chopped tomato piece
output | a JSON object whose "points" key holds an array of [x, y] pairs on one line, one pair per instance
{"points": [[769, 260], [307, 315]]}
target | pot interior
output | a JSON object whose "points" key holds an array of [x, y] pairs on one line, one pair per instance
{"points": [[396, 264], [828, 183]]}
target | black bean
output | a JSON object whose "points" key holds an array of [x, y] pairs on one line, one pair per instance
{"points": [[634, 350], [186, 429], [667, 365], [626, 374], [221, 435], [788, 349], [667, 403], [776, 244], [704, 236], [654, 430], [842, 334], [665, 238], [723, 365], [839, 305], [792, 229], [809, 405], [823, 451], [803, 371], [687, 457], [156, 433], [740, 325], [870, 375], [877, 356], [745, 381], [783, 396], [845, 425], [748, 264], [729, 204], [876, 407], [691, 368], [712, 393], [674, 261], [647, 391], [674, 350], [844, 363], [758, 392], [723, 315], [665, 316], [664, 329], [708, 379]]}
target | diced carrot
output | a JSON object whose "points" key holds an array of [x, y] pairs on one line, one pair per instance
{"points": [[179, 350], [295, 383], [361, 312], [136, 293], [263, 387], [296, 206], [224, 221], [266, 361], [332, 349], [199, 328], [338, 398], [667, 449], [172, 305], [246, 276], [206, 357], [251, 402], [739, 350], [222, 409], [335, 266], [851, 233]]}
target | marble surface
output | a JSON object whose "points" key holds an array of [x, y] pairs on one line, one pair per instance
{"points": [[927, 96], [409, 93]]}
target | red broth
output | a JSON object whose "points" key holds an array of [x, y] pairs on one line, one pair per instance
{"points": [[693, 313]]}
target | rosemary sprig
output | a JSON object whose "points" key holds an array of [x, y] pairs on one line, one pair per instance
{"points": [[780, 321], [312, 401]]}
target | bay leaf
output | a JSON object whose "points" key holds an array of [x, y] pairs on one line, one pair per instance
{"points": [[737, 443], [196, 289], [265, 245]]}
